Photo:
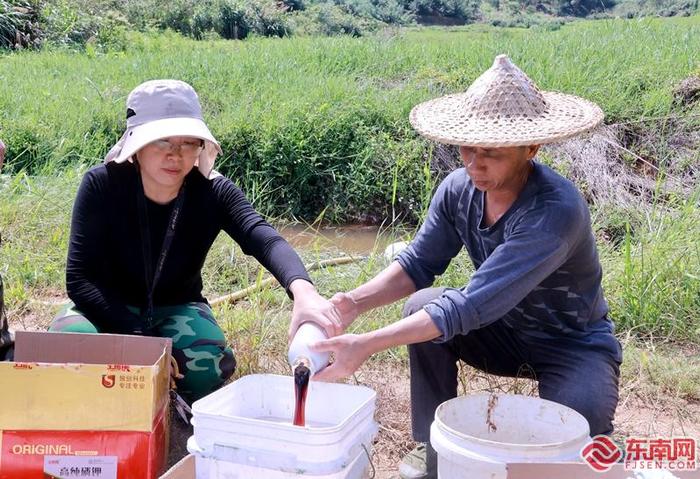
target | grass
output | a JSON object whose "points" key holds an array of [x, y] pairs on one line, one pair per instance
{"points": [[316, 128], [650, 277], [320, 124], [653, 283], [659, 370]]}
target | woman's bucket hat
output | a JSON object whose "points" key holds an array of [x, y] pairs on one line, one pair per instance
{"points": [[160, 109]]}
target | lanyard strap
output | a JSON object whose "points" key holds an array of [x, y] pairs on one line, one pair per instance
{"points": [[4, 324], [152, 277]]}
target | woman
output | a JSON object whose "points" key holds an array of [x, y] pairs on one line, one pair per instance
{"points": [[142, 225]]}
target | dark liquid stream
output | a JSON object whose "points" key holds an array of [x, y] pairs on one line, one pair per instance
{"points": [[301, 386]]}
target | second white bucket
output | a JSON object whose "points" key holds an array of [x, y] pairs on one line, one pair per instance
{"points": [[476, 436]]}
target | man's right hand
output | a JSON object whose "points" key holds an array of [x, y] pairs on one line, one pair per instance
{"points": [[346, 307]]}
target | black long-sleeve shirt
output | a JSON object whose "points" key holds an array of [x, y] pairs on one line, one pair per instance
{"points": [[105, 267]]}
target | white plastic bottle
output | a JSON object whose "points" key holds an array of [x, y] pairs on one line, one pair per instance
{"points": [[299, 352]]}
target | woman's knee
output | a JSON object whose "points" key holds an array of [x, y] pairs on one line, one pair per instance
{"points": [[205, 367], [199, 348], [73, 323], [71, 320]]}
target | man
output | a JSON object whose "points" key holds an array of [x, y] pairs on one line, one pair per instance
{"points": [[535, 300]]}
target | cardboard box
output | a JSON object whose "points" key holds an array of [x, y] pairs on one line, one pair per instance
{"points": [[185, 469], [84, 405]]}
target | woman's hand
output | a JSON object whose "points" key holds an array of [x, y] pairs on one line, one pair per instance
{"points": [[309, 306], [346, 307], [350, 351]]}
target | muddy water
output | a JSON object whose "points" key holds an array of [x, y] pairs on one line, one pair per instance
{"points": [[349, 239]]}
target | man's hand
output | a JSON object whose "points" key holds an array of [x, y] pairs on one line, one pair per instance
{"points": [[309, 306], [350, 350]]}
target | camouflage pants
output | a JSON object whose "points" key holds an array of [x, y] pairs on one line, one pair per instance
{"points": [[199, 345]]}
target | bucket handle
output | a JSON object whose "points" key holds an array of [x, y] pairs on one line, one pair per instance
{"points": [[252, 457], [255, 457], [371, 464]]}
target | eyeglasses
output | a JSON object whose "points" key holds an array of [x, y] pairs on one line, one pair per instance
{"points": [[186, 150]]}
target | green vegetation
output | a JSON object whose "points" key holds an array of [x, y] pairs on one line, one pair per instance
{"points": [[317, 128], [653, 283], [311, 125], [661, 372], [86, 23], [651, 279]]}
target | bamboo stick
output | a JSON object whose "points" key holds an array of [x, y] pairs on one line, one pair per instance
{"points": [[270, 282]]}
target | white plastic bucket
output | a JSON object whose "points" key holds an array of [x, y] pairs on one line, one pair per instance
{"points": [[476, 436], [249, 423]]}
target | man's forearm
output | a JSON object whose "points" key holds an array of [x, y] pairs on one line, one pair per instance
{"points": [[416, 328], [390, 285]]}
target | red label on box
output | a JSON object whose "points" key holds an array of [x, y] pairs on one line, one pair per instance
{"points": [[23, 452], [140, 455]]}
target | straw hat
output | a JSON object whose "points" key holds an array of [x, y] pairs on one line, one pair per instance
{"points": [[503, 107], [160, 109]]}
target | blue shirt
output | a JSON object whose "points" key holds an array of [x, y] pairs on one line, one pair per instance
{"points": [[537, 267]]}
